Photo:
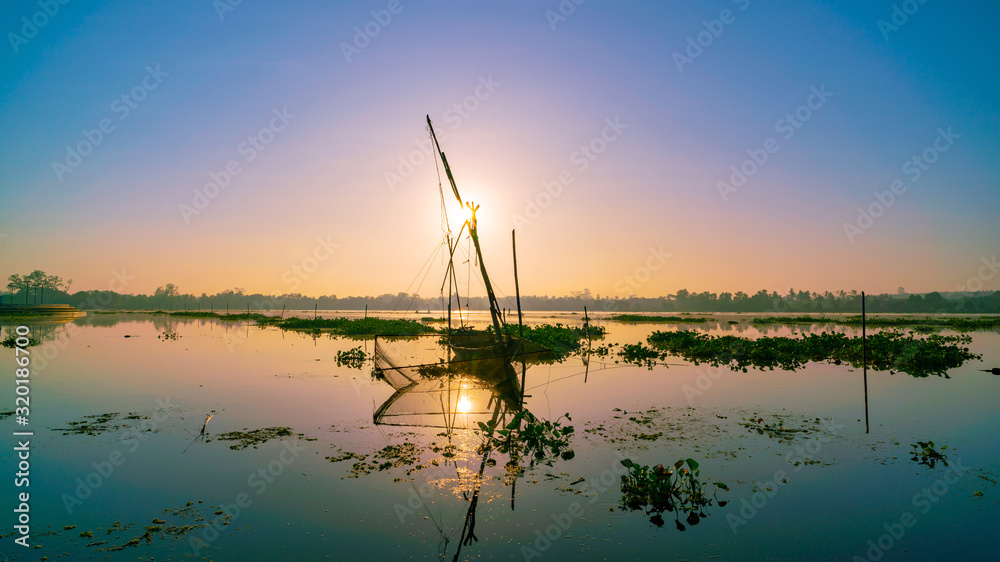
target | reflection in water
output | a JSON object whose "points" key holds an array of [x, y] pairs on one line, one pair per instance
{"points": [[461, 393], [274, 376], [43, 329], [201, 435]]}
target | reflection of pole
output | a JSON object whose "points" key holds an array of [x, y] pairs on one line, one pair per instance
{"points": [[864, 357], [586, 356], [469, 529]]}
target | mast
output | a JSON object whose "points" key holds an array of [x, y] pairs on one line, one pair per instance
{"points": [[444, 160], [474, 233]]}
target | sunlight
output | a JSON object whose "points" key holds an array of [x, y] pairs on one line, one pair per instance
{"points": [[466, 214], [464, 406]]}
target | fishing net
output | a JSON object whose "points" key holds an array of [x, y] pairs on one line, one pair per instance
{"points": [[446, 390]]}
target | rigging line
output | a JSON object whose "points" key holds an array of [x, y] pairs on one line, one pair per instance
{"points": [[483, 285], [426, 264], [498, 357], [445, 225], [495, 285], [571, 376], [409, 304]]}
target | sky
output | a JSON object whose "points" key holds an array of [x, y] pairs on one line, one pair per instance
{"points": [[636, 147]]}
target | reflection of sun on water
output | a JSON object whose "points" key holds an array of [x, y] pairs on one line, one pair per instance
{"points": [[464, 406]]}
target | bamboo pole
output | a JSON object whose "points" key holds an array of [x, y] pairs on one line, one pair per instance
{"points": [[448, 275], [864, 356], [517, 288], [494, 312]]}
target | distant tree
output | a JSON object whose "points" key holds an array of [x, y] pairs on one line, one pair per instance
{"points": [[166, 291], [15, 282], [34, 284]]}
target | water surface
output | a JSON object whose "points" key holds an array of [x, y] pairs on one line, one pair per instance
{"points": [[294, 503]]}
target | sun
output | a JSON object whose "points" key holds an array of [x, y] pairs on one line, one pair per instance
{"points": [[466, 213], [464, 406]]}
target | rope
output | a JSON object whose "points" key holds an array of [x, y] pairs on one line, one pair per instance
{"points": [[409, 304], [426, 265]]}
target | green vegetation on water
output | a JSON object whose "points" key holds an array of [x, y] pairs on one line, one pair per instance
{"points": [[980, 323], [352, 358], [243, 316], [355, 326], [924, 453], [527, 436], [678, 489], [96, 424], [639, 354], [341, 326], [11, 342], [561, 340], [255, 437], [887, 351], [639, 318]]}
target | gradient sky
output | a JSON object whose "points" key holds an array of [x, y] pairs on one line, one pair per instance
{"points": [[554, 84]]}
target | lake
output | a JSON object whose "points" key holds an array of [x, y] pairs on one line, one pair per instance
{"points": [[120, 468]]}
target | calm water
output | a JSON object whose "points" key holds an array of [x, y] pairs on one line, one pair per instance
{"points": [[294, 503]]}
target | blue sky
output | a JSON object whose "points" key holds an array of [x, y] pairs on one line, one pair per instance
{"points": [[553, 87]]}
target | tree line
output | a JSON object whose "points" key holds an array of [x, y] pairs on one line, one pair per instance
{"points": [[39, 288], [32, 287]]}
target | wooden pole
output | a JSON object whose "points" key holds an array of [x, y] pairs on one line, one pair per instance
{"points": [[494, 308], [864, 356], [315, 310], [282, 312], [366, 312], [517, 288], [448, 274]]}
